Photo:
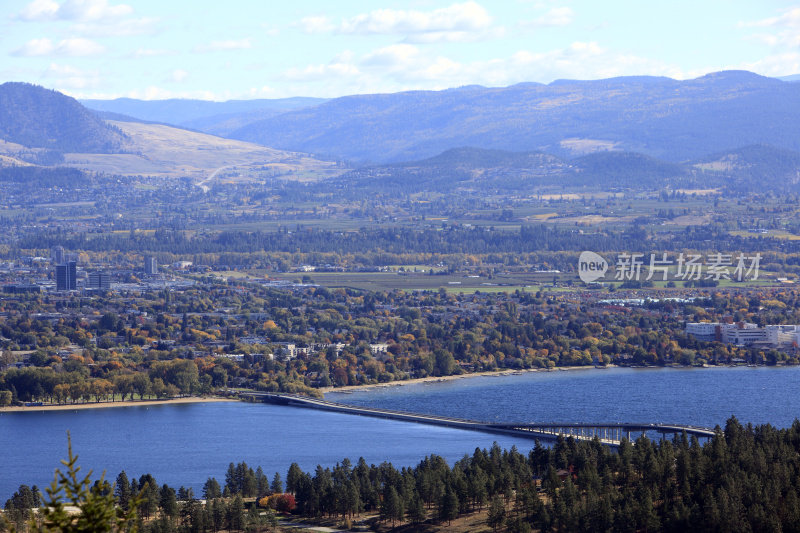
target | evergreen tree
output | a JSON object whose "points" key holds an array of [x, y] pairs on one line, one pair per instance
{"points": [[416, 510], [262, 483], [235, 513], [122, 490], [448, 506], [497, 513], [293, 478], [211, 489], [277, 484], [168, 502]]}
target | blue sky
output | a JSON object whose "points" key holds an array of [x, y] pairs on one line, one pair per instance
{"points": [[265, 49]]}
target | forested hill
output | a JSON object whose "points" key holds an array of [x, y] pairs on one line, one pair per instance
{"points": [[756, 164], [216, 118], [36, 117], [744, 169], [661, 117]]}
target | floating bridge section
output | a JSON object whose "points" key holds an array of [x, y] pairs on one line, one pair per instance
{"points": [[607, 434]]}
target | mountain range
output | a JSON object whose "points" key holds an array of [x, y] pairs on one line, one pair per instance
{"points": [[34, 117], [750, 168], [729, 128], [661, 117], [216, 118], [45, 128]]}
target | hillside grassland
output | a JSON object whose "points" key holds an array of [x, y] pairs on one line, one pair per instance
{"points": [[160, 150]]}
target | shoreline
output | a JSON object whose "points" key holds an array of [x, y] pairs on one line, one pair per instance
{"points": [[102, 405], [508, 372], [438, 379], [344, 390]]}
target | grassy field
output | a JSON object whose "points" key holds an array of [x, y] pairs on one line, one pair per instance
{"points": [[382, 281]]}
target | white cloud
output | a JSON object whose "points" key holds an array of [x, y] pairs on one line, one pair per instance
{"points": [[151, 93], [35, 47], [328, 71], [270, 30], [178, 76], [261, 92], [70, 77], [76, 10], [39, 10], [782, 33], [159, 93], [790, 18], [92, 10], [408, 63], [462, 22], [126, 27], [779, 64], [74, 46], [468, 16], [556, 16], [392, 56], [151, 52], [316, 24], [217, 46], [404, 66], [455, 36]]}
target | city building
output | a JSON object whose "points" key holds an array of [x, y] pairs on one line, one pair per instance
{"points": [[66, 276], [150, 265], [782, 335], [704, 331], [58, 255], [745, 333], [99, 280], [19, 288], [378, 348]]}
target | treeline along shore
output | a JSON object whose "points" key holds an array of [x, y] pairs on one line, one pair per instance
{"points": [[215, 336], [745, 478]]}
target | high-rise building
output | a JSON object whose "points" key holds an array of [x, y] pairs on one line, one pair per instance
{"points": [[99, 280], [66, 276], [57, 255], [150, 265]]}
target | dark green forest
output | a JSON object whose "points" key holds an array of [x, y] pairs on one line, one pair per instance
{"points": [[744, 479]]}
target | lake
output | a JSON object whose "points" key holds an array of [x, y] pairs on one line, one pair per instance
{"points": [[185, 444], [688, 396]]}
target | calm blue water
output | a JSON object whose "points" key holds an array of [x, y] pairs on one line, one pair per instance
{"points": [[702, 397], [186, 444]]}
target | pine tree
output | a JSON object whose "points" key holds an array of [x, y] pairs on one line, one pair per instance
{"points": [[277, 484], [262, 483], [168, 502], [497, 513], [448, 506], [211, 489], [235, 514], [97, 511], [122, 490], [293, 478], [416, 510]]}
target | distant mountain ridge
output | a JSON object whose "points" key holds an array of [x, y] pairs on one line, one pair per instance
{"points": [[40, 128], [212, 117], [36, 117], [749, 168], [660, 117]]}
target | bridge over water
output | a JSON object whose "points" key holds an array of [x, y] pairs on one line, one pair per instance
{"points": [[608, 434]]}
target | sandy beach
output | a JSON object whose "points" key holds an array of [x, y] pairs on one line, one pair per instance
{"points": [[324, 390], [100, 405], [491, 373]]}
